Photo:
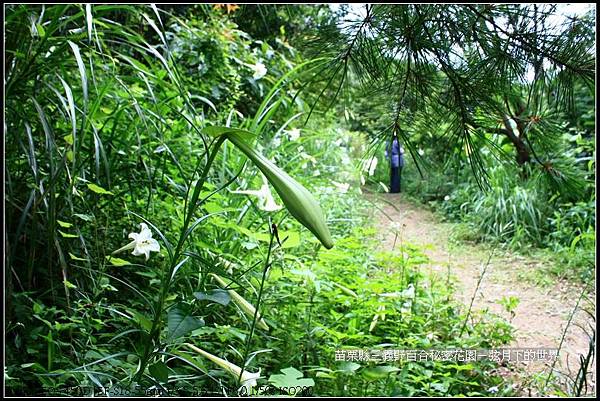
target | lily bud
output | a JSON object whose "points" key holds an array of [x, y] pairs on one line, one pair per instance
{"points": [[248, 378], [244, 305], [298, 201]]}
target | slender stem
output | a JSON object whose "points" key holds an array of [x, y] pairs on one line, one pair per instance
{"points": [[564, 334], [475, 294], [254, 319], [166, 280]]}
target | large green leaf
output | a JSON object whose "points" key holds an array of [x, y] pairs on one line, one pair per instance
{"points": [[180, 322], [219, 130], [219, 296], [378, 372], [291, 377], [99, 190], [159, 371]]}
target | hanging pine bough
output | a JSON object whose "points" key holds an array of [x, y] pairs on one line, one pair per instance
{"points": [[298, 201]]}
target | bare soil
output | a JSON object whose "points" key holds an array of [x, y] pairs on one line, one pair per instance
{"points": [[542, 313]]}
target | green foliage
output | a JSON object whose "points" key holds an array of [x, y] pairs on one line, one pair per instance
{"points": [[106, 115], [449, 64]]}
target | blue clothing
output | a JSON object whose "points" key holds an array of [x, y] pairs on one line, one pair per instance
{"points": [[397, 155]]}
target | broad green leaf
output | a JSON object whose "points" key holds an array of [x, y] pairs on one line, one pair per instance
{"points": [[212, 207], [85, 217], [117, 261], [159, 371], [142, 320], [348, 367], [66, 235], [180, 322], [378, 372], [68, 284], [40, 29], [73, 257], [219, 296], [291, 377], [99, 190], [218, 131], [34, 365]]}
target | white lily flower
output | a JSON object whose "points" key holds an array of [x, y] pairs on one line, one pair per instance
{"points": [[248, 378], [259, 70], [142, 243], [293, 134], [266, 201]]}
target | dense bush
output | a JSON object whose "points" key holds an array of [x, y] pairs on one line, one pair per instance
{"points": [[105, 111]]}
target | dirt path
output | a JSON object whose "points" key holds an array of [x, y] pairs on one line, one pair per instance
{"points": [[542, 313]]}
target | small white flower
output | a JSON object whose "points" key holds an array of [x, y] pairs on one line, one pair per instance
{"points": [[293, 134], [421, 152], [316, 173], [447, 198], [142, 243], [259, 70], [266, 201], [493, 390], [342, 187]]}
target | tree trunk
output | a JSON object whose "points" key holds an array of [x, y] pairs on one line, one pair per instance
{"points": [[523, 153]]}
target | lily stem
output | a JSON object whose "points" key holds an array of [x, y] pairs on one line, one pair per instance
{"points": [[156, 326], [254, 319]]}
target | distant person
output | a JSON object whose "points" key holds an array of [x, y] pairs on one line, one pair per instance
{"points": [[395, 153]]}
